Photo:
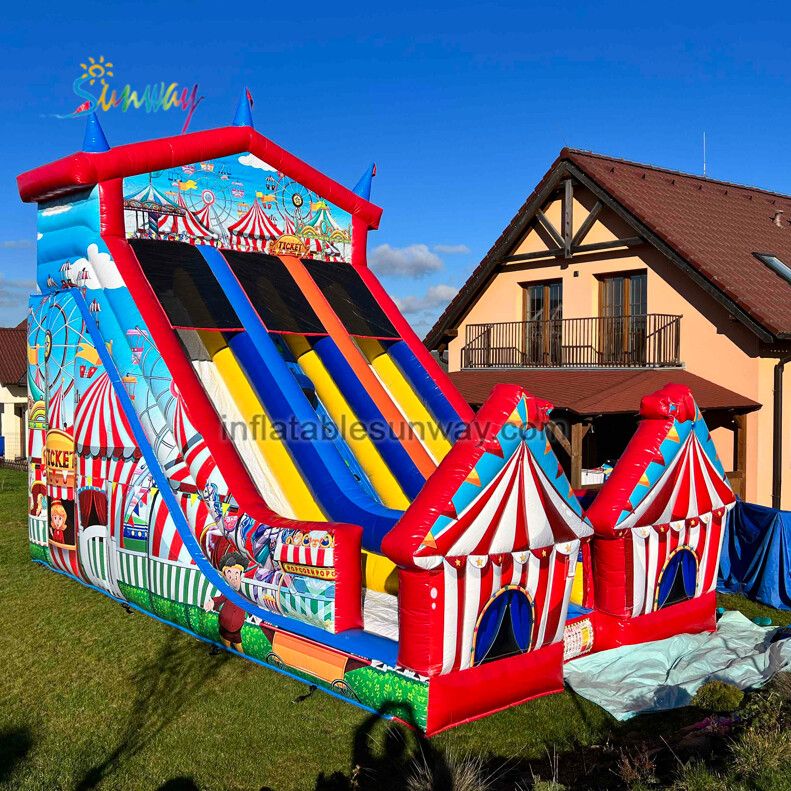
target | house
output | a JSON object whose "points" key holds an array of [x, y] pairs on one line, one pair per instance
{"points": [[13, 389], [615, 279]]}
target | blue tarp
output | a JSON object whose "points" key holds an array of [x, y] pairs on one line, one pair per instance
{"points": [[756, 555]]}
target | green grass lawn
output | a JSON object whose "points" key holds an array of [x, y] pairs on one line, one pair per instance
{"points": [[94, 697]]}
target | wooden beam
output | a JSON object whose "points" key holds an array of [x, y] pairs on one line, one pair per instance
{"points": [[559, 436], [549, 228], [632, 241], [555, 252], [587, 223], [578, 432], [740, 453], [568, 216]]}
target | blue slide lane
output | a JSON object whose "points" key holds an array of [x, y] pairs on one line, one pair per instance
{"points": [[353, 641], [427, 390], [336, 490], [384, 438]]}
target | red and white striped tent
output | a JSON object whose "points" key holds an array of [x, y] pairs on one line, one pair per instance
{"points": [[103, 437], [518, 533], [55, 412], [191, 445], [665, 504], [685, 509], [253, 230], [186, 227]]}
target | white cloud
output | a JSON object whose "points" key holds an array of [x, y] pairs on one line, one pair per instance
{"points": [[13, 298], [451, 249], [252, 161], [413, 261], [435, 297], [101, 269], [18, 244]]}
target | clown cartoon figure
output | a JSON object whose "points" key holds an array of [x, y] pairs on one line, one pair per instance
{"points": [[232, 617], [57, 517]]}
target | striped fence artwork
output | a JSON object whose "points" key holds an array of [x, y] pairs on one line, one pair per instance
{"points": [[37, 530], [133, 567], [177, 582], [99, 558]]}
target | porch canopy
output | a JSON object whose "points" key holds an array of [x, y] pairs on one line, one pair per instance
{"points": [[586, 398], [589, 393]]}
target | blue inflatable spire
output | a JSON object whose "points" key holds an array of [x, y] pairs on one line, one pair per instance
{"points": [[94, 141], [244, 110], [363, 186]]}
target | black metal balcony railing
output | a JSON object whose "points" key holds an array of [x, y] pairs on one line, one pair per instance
{"points": [[646, 341]]}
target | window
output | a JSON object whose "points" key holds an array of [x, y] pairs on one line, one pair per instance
{"points": [[623, 305], [773, 262], [542, 311]]}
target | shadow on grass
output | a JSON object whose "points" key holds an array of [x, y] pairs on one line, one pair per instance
{"points": [[179, 784], [164, 688], [15, 744], [386, 761]]}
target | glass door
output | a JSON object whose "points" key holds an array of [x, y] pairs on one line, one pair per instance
{"points": [[623, 305], [543, 311]]}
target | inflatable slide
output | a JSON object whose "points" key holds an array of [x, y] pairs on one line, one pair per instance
{"points": [[232, 428]]}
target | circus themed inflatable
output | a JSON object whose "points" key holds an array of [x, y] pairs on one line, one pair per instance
{"points": [[233, 429]]}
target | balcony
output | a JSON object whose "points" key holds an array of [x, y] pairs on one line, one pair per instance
{"points": [[650, 340]]}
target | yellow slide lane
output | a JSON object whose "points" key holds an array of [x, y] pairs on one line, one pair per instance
{"points": [[408, 402], [364, 450], [272, 449]]}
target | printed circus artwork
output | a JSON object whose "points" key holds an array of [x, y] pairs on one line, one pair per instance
{"points": [[238, 203]]}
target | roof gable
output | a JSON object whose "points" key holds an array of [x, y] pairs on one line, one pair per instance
{"points": [[711, 229]]}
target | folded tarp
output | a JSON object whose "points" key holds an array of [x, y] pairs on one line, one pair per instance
{"points": [[756, 555], [635, 679]]}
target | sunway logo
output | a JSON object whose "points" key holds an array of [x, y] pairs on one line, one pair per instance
{"points": [[156, 96]]}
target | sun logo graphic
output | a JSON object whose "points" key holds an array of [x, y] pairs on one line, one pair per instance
{"points": [[97, 70], [156, 96]]}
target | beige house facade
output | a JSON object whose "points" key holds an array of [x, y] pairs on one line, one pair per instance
{"points": [[615, 278]]}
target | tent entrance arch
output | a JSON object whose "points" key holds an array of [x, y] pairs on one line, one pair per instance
{"points": [[678, 580], [505, 626]]}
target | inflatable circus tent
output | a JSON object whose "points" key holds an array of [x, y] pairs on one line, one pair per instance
{"points": [[185, 227], [253, 229], [264, 453], [659, 526]]}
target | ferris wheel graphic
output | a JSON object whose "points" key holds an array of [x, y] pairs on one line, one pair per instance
{"points": [[157, 399], [294, 202], [63, 335], [211, 201]]}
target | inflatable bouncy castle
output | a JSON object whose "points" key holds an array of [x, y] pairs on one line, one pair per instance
{"points": [[232, 428]]}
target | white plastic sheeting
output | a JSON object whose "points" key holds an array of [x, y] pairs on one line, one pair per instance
{"points": [[380, 613], [665, 674]]}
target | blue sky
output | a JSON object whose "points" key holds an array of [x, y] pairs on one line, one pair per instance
{"points": [[462, 106]]}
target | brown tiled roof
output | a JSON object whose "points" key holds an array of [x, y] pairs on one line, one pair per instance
{"points": [[599, 391], [13, 355], [715, 226]]}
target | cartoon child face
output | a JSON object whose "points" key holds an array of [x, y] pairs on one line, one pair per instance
{"points": [[58, 521], [233, 576]]}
